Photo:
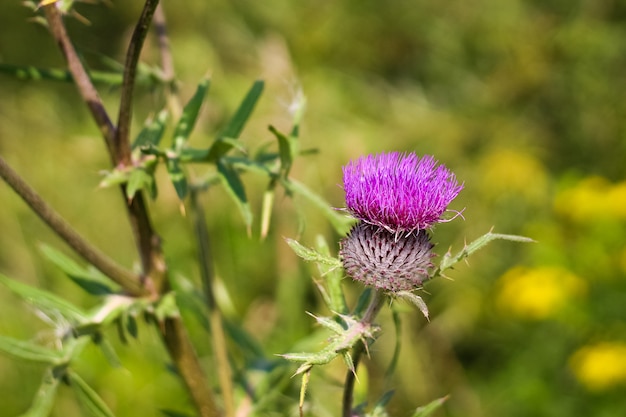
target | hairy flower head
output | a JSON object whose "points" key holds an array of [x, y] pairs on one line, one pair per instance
{"points": [[399, 192]]}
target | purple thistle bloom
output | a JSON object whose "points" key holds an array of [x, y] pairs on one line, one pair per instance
{"points": [[399, 192]]}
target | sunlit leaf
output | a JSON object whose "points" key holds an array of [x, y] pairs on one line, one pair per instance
{"points": [[236, 124]]}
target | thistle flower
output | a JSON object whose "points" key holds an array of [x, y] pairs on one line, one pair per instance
{"points": [[396, 197], [399, 192], [377, 258]]}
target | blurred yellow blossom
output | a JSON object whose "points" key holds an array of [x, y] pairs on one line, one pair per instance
{"points": [[509, 171], [538, 293], [600, 366], [592, 198]]}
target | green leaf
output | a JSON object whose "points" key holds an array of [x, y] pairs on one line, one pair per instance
{"points": [[309, 254], [166, 307], [430, 408], [188, 119], [414, 299], [448, 260], [115, 177], [237, 122], [44, 398], [89, 279], [236, 190], [177, 176], [333, 276], [108, 351], [138, 180], [89, 400], [288, 150], [30, 352], [152, 132], [340, 222], [44, 300], [221, 146]]}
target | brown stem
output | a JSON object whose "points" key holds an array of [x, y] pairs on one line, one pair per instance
{"points": [[348, 389], [186, 361], [90, 253], [167, 62], [85, 87]]}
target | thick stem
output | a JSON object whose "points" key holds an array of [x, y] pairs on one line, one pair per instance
{"points": [[186, 361], [129, 281], [373, 308]]}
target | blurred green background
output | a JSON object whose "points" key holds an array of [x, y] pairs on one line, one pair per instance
{"points": [[523, 100]]}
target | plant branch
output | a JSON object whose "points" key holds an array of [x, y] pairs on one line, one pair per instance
{"points": [[122, 141], [373, 308], [186, 361], [129, 281], [167, 62], [85, 87]]}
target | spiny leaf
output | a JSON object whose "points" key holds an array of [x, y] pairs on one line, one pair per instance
{"points": [[414, 299], [237, 122], [430, 408], [309, 254], [448, 260], [177, 176], [236, 189], [190, 114]]}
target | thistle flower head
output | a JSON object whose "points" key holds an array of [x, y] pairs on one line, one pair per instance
{"points": [[378, 258], [399, 192]]}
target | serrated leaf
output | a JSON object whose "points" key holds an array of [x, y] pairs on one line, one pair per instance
{"points": [[29, 351], [44, 300], [312, 255], [340, 222], [89, 279], [177, 176], [236, 124], [430, 408], [414, 299], [189, 116], [44, 397], [448, 261], [236, 190], [152, 132], [89, 400]]}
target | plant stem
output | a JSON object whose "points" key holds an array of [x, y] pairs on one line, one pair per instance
{"points": [[376, 303], [186, 361], [215, 315], [129, 281], [86, 89]]}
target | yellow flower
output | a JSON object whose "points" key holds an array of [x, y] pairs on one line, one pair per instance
{"points": [[538, 293], [600, 366], [592, 198]]}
